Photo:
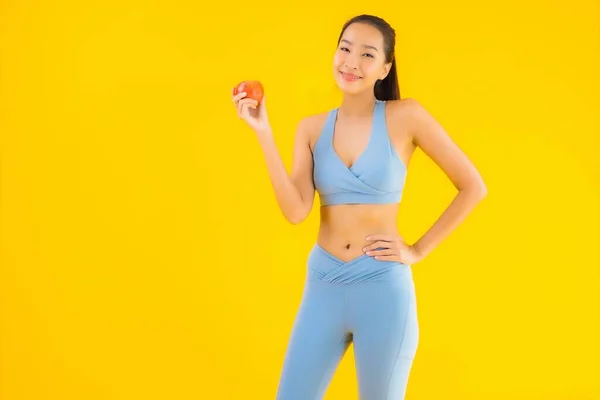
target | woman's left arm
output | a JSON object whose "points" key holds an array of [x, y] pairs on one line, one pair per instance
{"points": [[431, 137]]}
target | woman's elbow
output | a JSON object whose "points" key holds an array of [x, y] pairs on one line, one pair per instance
{"points": [[478, 189], [296, 219], [483, 190], [297, 215], [475, 188]]}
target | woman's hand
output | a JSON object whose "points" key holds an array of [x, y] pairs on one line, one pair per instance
{"points": [[254, 114], [392, 248]]}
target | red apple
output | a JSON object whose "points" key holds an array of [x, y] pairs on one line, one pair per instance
{"points": [[253, 89]]}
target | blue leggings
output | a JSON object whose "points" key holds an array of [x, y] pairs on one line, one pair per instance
{"points": [[367, 302]]}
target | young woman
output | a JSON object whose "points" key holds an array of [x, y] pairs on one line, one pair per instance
{"points": [[359, 287]]}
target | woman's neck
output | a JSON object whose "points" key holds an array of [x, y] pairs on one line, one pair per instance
{"points": [[359, 105]]}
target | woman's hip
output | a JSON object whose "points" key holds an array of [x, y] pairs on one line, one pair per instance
{"points": [[322, 266]]}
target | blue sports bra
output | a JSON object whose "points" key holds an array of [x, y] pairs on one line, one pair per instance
{"points": [[376, 177]]}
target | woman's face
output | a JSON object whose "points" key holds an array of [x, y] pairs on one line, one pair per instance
{"points": [[359, 60]]}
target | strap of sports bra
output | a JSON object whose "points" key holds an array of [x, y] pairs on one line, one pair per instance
{"points": [[379, 125]]}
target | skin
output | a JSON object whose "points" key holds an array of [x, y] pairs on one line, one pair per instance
{"points": [[350, 230]]}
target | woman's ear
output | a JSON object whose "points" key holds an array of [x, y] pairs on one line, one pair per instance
{"points": [[386, 71]]}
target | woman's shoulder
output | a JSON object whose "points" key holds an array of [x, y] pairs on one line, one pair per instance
{"points": [[315, 119], [404, 106], [310, 127], [312, 124], [408, 112]]}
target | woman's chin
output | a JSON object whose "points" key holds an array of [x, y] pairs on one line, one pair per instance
{"points": [[351, 89]]}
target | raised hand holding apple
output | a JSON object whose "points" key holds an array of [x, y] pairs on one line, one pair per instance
{"points": [[253, 89], [249, 100]]}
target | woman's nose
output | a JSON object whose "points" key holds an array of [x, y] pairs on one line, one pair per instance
{"points": [[351, 62]]}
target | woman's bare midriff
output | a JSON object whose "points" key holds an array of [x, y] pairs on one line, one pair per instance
{"points": [[343, 228]]}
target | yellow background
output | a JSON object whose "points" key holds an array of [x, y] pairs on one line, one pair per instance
{"points": [[144, 256]]}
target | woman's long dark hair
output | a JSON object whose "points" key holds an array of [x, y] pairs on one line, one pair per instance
{"points": [[388, 88]]}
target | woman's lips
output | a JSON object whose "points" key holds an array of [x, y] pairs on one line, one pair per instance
{"points": [[349, 77]]}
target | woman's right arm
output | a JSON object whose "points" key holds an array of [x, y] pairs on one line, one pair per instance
{"points": [[294, 192]]}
